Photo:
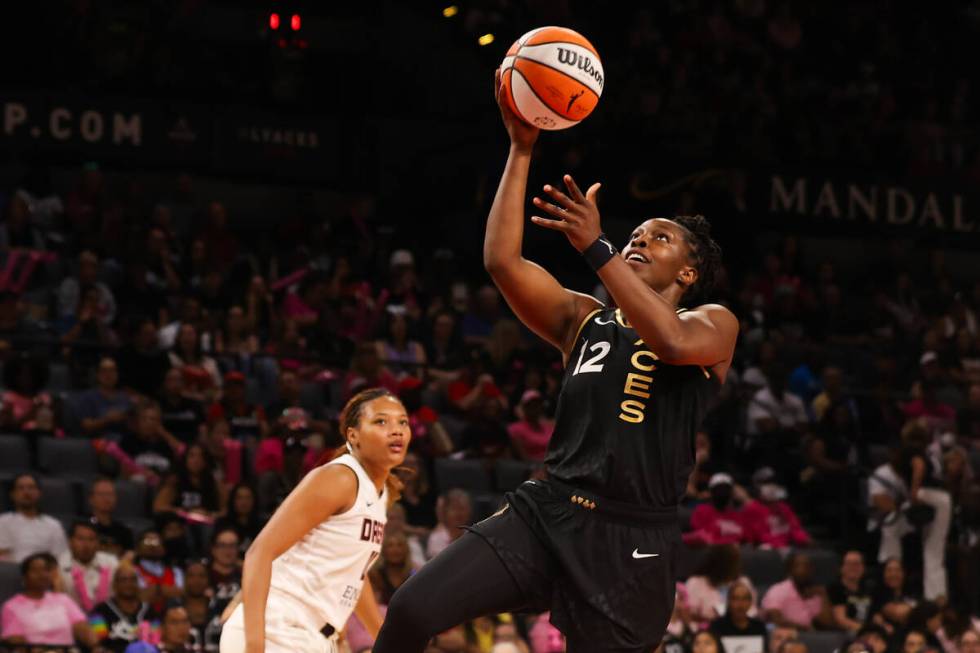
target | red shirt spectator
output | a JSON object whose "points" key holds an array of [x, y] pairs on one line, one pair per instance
{"points": [[771, 520], [718, 521]]}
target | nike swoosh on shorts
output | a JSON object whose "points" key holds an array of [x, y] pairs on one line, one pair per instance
{"points": [[638, 555]]}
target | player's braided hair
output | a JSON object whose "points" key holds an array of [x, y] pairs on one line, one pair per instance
{"points": [[705, 252], [350, 416]]}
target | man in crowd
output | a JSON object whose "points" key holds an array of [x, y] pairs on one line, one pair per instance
{"points": [[114, 536], [86, 572], [798, 601], [123, 618], [104, 407], [25, 530], [175, 634]]}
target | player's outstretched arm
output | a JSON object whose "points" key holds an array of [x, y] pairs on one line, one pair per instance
{"points": [[704, 336], [544, 305], [324, 492]]}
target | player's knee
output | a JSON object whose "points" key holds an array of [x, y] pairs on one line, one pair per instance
{"points": [[408, 612]]}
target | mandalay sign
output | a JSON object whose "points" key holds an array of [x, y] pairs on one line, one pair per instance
{"points": [[869, 203]]}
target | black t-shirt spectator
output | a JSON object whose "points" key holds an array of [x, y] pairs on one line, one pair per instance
{"points": [[142, 371], [182, 417], [114, 534], [123, 628], [155, 455], [858, 601], [723, 628]]}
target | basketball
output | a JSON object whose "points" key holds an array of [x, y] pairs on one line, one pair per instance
{"points": [[552, 77]]}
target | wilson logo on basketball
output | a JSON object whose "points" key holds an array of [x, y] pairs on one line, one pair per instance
{"points": [[583, 63]]}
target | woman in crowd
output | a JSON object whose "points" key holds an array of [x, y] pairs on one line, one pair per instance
{"points": [[736, 621], [242, 516], [891, 603], [393, 567], [193, 487], [39, 616], [706, 589], [398, 352], [200, 371], [26, 406]]}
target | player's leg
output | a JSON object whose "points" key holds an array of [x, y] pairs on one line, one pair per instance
{"points": [[467, 580]]}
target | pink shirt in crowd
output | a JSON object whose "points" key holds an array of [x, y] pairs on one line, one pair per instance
{"points": [[544, 637], [534, 440], [774, 524], [794, 608], [707, 602], [45, 621], [709, 526]]}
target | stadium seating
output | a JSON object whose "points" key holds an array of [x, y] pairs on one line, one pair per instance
{"points": [[508, 474], [15, 456], [131, 500], [763, 566], [67, 458], [58, 496], [469, 475], [9, 580]]}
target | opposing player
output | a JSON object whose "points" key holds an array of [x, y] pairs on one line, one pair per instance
{"points": [[597, 542], [304, 573]]}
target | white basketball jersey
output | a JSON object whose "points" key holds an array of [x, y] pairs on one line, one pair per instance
{"points": [[326, 570]]}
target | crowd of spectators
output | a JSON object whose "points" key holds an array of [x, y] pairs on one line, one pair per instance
{"points": [[201, 368]]}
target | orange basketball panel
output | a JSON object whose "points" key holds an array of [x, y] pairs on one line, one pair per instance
{"points": [[564, 95], [507, 91], [560, 35], [512, 50]]}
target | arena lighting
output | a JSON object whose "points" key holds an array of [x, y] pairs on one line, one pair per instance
{"points": [[450, 11], [295, 22], [486, 39], [273, 21]]}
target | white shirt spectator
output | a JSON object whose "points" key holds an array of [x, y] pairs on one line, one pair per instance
{"points": [[97, 576], [787, 412], [21, 536]]}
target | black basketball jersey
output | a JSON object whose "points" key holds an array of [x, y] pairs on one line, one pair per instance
{"points": [[625, 421]]}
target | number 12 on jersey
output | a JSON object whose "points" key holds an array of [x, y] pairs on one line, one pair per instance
{"points": [[600, 349]]}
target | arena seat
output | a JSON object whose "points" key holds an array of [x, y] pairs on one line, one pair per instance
{"points": [[826, 565], [469, 475], [689, 561], [763, 566], [15, 455], [485, 505], [67, 458], [508, 474], [823, 641], [58, 496], [131, 500], [9, 580], [59, 379]]}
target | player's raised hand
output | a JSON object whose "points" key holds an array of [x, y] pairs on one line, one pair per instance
{"points": [[575, 214], [522, 135]]}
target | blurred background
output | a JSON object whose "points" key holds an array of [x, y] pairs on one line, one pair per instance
{"points": [[221, 219]]}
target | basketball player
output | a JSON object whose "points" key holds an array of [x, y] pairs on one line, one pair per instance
{"points": [[304, 573], [597, 542]]}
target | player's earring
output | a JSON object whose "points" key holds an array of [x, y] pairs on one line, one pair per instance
{"points": [[350, 449]]}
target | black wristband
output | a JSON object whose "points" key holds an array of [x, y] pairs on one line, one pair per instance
{"points": [[599, 253]]}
